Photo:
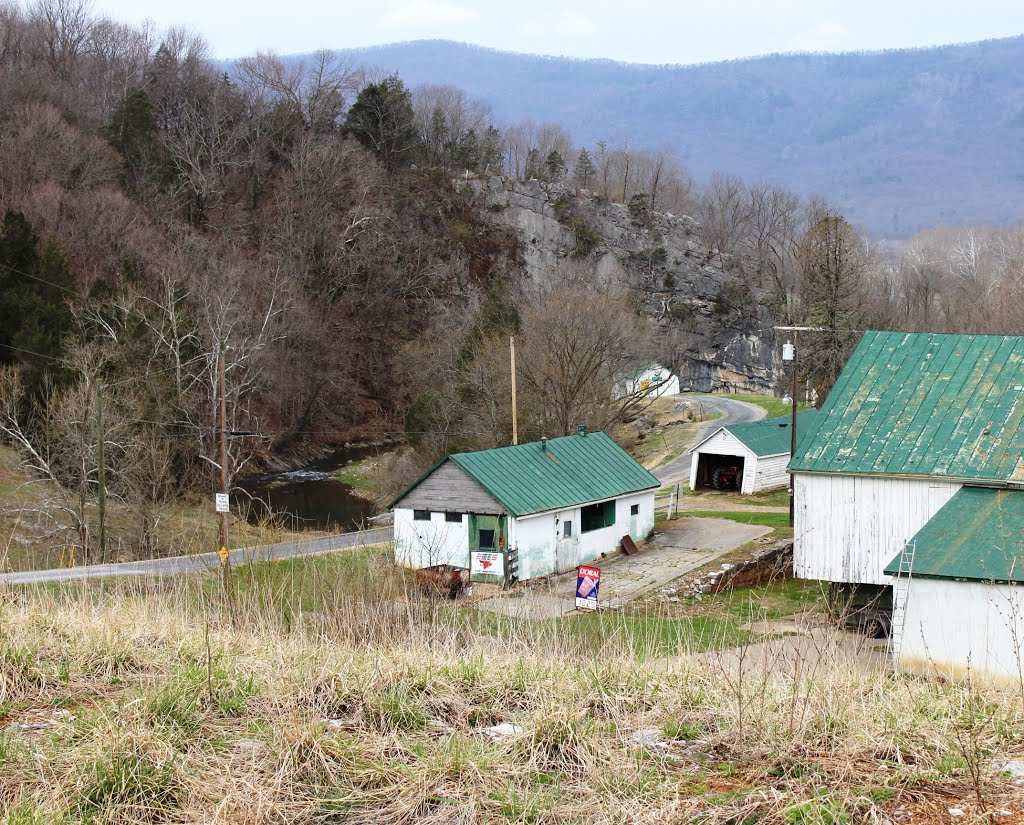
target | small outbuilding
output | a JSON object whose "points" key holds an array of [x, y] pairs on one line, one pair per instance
{"points": [[515, 513], [650, 379], [750, 457], [960, 583]]}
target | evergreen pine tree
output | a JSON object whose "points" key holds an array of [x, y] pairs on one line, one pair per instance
{"points": [[584, 169]]}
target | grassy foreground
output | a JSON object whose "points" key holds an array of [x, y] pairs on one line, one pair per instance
{"points": [[345, 698]]}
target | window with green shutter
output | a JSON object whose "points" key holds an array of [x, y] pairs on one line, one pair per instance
{"points": [[597, 516]]}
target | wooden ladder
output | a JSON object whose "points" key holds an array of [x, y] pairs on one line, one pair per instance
{"points": [[900, 595]]}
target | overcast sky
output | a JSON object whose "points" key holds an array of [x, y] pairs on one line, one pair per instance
{"points": [[641, 31]]}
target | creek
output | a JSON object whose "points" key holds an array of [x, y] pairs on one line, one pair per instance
{"points": [[310, 498]]}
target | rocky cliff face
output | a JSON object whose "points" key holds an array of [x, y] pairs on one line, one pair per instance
{"points": [[715, 330]]}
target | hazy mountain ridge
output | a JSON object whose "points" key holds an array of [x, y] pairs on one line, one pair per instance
{"points": [[902, 140]]}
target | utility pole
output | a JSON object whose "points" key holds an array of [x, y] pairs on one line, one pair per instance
{"points": [[789, 354], [792, 437], [515, 414], [224, 552], [101, 439]]}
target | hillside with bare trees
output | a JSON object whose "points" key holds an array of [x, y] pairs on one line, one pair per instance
{"points": [[358, 253]]}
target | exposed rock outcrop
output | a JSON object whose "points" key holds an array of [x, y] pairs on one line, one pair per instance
{"points": [[715, 328]]}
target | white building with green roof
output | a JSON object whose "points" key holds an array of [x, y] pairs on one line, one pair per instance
{"points": [[913, 473], [525, 511], [760, 449]]}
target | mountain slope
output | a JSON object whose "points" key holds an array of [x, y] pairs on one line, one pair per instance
{"points": [[901, 140]]}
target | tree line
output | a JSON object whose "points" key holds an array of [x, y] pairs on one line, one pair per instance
{"points": [[305, 214]]}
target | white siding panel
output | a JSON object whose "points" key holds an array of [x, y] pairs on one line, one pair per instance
{"points": [[748, 484], [958, 627], [848, 528], [535, 537], [426, 543], [771, 473]]}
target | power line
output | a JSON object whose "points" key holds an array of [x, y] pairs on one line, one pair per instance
{"points": [[44, 281], [30, 352]]}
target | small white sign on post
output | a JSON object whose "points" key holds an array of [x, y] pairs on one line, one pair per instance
{"points": [[223, 505]]}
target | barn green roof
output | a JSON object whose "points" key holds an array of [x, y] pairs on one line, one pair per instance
{"points": [[771, 436], [978, 534], [924, 405], [561, 472]]}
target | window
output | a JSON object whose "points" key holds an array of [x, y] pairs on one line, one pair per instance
{"points": [[486, 539], [567, 529], [454, 518], [634, 510], [421, 515], [597, 516]]}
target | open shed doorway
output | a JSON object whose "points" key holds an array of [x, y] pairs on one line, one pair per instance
{"points": [[719, 472]]}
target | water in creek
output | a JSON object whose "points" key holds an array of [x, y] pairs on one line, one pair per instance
{"points": [[311, 498]]}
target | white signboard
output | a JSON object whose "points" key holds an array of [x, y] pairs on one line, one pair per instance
{"points": [[222, 503], [487, 563]]}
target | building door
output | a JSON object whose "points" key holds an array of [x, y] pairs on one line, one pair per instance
{"points": [[488, 533], [634, 522], [567, 545]]}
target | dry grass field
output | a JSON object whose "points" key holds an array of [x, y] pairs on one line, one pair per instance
{"points": [[326, 692]]}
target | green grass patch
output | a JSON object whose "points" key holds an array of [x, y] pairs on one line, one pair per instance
{"points": [[317, 583], [360, 475], [770, 498], [769, 602], [773, 407], [777, 521]]}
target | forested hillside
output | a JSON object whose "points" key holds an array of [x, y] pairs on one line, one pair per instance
{"points": [[356, 253], [904, 140]]}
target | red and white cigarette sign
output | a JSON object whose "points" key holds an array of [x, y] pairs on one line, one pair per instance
{"points": [[492, 564]]}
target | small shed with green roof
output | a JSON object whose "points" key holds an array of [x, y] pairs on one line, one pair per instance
{"points": [[960, 581], [755, 453], [527, 510]]}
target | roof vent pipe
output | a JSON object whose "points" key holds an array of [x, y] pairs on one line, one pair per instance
{"points": [[581, 429], [544, 444]]}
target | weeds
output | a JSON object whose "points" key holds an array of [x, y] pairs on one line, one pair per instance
{"points": [[336, 695]]}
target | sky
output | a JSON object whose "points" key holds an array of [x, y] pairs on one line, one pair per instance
{"points": [[636, 31]]}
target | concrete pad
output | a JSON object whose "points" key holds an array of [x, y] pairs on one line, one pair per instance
{"points": [[688, 544]]}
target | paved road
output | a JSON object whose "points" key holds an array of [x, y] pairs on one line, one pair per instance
{"points": [[204, 561], [734, 412]]}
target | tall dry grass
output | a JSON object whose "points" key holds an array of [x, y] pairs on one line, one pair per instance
{"points": [[352, 700]]}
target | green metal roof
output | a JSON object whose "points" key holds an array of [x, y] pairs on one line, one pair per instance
{"points": [[562, 472], [771, 436], [978, 534], [923, 404]]}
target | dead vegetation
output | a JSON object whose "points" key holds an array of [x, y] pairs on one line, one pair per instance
{"points": [[146, 703]]}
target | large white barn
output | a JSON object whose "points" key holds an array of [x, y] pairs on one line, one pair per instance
{"points": [[761, 450], [525, 511], [914, 419]]}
